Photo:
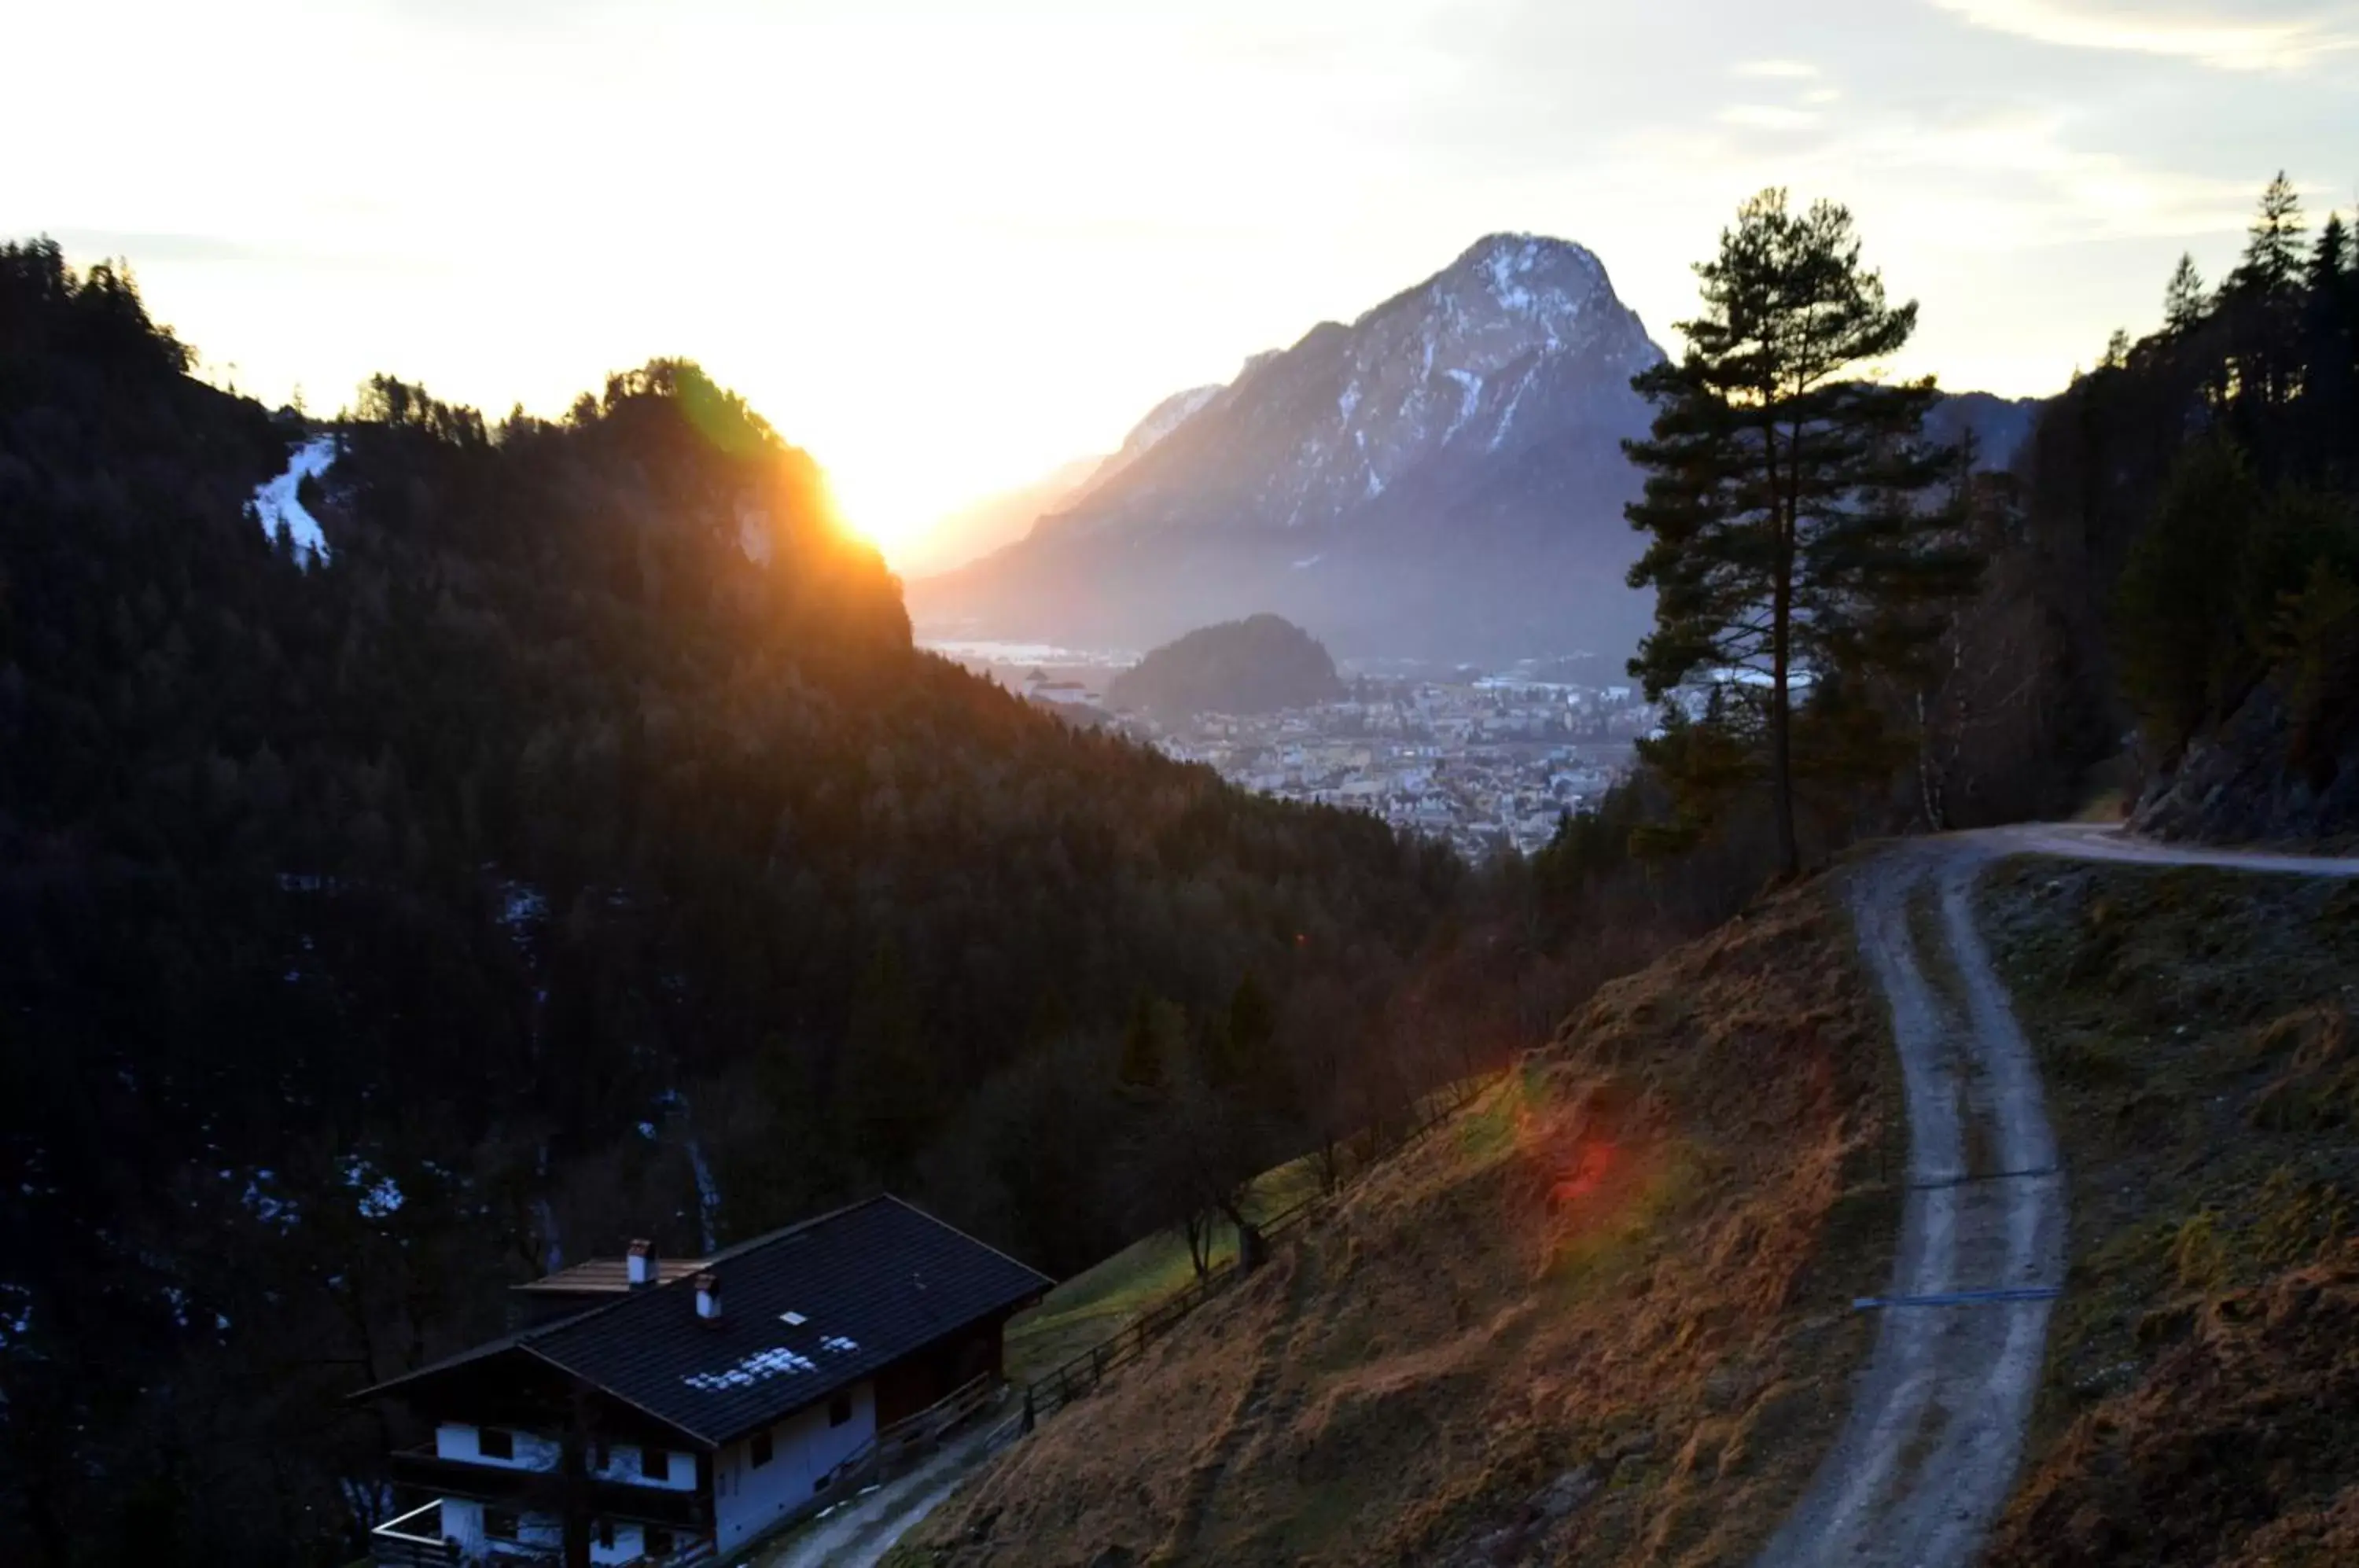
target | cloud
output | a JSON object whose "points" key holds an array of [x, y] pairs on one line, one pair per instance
{"points": [[90, 245], [2254, 35], [1776, 70], [2054, 191], [1768, 117]]}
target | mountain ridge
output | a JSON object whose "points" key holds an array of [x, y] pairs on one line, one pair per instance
{"points": [[1442, 475]]}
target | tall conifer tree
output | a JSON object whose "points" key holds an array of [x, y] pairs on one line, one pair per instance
{"points": [[2183, 298], [2263, 298], [1789, 549]]}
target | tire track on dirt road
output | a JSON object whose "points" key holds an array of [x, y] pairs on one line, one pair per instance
{"points": [[1929, 1451]]}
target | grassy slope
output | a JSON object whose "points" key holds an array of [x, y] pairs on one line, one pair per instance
{"points": [[1600, 1320], [1095, 1304], [2195, 1031]]}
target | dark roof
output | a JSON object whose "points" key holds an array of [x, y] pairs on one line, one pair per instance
{"points": [[871, 1283], [605, 1277]]}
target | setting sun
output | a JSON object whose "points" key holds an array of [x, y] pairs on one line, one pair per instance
{"points": [[886, 507]]}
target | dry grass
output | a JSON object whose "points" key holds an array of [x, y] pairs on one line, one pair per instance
{"points": [[1600, 1319], [2202, 1397]]}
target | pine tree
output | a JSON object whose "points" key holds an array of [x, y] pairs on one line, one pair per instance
{"points": [[2184, 301], [2272, 260], [2329, 331], [2264, 296], [2329, 258], [1787, 546], [2176, 623]]}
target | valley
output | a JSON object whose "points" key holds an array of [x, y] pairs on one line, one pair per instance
{"points": [[1472, 761]]}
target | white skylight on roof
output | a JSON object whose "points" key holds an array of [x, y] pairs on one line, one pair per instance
{"points": [[793, 1320]]}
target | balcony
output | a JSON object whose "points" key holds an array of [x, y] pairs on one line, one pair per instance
{"points": [[416, 1539], [413, 1540], [532, 1491]]}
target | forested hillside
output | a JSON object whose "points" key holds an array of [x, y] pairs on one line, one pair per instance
{"points": [[2175, 561], [581, 852]]}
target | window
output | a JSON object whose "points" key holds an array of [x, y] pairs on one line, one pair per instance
{"points": [[655, 1543], [495, 1443], [759, 1449], [839, 1409], [655, 1464], [499, 1524], [603, 1459]]}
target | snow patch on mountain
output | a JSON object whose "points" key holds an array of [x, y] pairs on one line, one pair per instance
{"points": [[278, 509]]}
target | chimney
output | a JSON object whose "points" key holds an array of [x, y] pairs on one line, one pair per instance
{"points": [[643, 1264], [708, 1296]]}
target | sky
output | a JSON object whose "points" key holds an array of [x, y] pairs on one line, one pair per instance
{"points": [[949, 244]]}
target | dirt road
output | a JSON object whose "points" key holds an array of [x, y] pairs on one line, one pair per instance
{"points": [[1938, 1416], [859, 1533]]}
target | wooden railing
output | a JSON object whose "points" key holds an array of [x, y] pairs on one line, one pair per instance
{"points": [[413, 1540], [894, 1448]]}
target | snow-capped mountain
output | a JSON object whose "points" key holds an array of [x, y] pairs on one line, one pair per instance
{"points": [[1441, 478]]}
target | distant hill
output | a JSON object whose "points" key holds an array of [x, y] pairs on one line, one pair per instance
{"points": [[1259, 665], [1442, 477], [1999, 426]]}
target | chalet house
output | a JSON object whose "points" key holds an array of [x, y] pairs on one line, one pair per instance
{"points": [[674, 1411]]}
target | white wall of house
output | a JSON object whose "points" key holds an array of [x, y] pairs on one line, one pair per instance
{"points": [[749, 1499], [626, 1547], [462, 1521], [622, 1465], [457, 1440]]}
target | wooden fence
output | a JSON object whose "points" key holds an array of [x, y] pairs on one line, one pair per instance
{"points": [[1060, 1387], [901, 1445]]}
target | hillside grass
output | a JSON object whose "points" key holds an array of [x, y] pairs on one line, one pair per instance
{"points": [[1599, 1319], [2195, 1031], [1094, 1305]]}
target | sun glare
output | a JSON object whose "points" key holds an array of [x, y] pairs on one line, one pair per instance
{"points": [[881, 504]]}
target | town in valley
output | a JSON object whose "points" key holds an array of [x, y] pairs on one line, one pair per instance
{"points": [[1484, 761]]}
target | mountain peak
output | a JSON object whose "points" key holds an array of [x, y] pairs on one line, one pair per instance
{"points": [[1515, 253], [1526, 275]]}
